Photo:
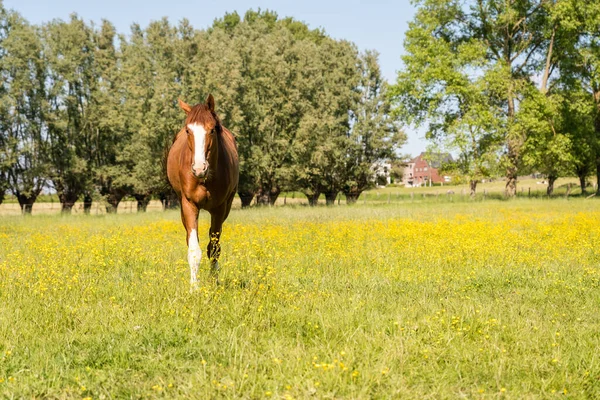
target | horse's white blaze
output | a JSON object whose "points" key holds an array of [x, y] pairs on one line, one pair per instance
{"points": [[194, 256], [199, 135]]}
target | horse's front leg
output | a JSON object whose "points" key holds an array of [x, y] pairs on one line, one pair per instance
{"points": [[189, 216], [213, 250]]}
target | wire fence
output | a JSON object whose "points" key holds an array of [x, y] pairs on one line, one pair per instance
{"points": [[372, 197]]}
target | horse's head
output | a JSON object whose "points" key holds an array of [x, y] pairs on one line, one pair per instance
{"points": [[202, 127]]}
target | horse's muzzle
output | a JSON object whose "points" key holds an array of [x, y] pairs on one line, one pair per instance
{"points": [[200, 172]]}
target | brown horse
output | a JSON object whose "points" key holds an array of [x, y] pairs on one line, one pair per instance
{"points": [[203, 169]]}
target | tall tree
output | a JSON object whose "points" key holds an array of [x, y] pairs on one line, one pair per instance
{"points": [[108, 134], [156, 64], [578, 112], [319, 149], [547, 149], [272, 97], [69, 50], [22, 109], [588, 60], [375, 134], [501, 44]]}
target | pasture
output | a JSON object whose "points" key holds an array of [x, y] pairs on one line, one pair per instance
{"points": [[496, 299]]}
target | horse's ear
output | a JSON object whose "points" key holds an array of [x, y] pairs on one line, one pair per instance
{"points": [[210, 102], [184, 106]]}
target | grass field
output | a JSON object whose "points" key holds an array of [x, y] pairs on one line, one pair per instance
{"points": [[496, 299]]}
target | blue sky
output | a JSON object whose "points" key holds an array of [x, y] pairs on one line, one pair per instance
{"points": [[374, 24]]}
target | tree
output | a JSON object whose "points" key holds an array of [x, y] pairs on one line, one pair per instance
{"points": [[375, 134], [329, 72], [587, 63], [108, 134], [547, 149], [280, 64], [578, 111], [22, 109], [480, 56], [69, 51], [156, 65]]}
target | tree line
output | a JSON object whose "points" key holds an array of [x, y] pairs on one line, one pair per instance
{"points": [[511, 87], [89, 112]]}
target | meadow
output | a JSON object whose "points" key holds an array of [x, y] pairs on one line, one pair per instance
{"points": [[495, 299]]}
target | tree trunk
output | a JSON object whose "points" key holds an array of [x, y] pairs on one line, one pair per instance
{"points": [[3, 186], [113, 199], [550, 189], [313, 199], [67, 201], [262, 198], [597, 129], [273, 195], [169, 199], [26, 202], [87, 202], [112, 206], [473, 186], [598, 176], [352, 196], [330, 197], [513, 151], [142, 201], [246, 198], [267, 196], [582, 184], [66, 207]]}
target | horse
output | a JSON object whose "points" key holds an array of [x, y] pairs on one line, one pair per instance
{"points": [[203, 169]]}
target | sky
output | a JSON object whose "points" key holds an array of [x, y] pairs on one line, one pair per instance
{"points": [[373, 24]]}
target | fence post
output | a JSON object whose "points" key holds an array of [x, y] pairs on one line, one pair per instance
{"points": [[389, 197], [529, 192], [484, 193], [568, 191]]}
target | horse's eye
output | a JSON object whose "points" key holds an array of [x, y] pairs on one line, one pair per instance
{"points": [[187, 131]]}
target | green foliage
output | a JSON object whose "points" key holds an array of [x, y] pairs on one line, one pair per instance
{"points": [[470, 77], [24, 158], [94, 117], [375, 135]]}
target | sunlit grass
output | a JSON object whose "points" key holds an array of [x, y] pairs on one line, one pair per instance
{"points": [[481, 300]]}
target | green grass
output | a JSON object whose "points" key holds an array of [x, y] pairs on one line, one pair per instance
{"points": [[494, 299]]}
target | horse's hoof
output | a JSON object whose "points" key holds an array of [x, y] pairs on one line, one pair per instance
{"points": [[194, 287]]}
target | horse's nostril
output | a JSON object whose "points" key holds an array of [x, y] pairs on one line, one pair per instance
{"points": [[200, 172]]}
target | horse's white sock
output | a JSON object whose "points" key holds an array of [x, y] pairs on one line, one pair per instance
{"points": [[194, 256]]}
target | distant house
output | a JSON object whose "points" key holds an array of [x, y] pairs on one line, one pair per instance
{"points": [[381, 173], [421, 172]]}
